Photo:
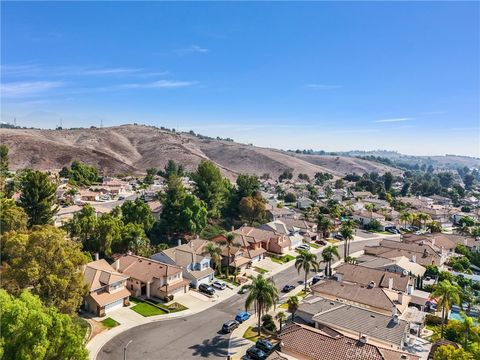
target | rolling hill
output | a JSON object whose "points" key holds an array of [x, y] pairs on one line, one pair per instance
{"points": [[134, 148]]}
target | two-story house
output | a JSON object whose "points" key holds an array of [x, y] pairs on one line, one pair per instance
{"points": [[107, 291], [192, 258], [151, 278]]}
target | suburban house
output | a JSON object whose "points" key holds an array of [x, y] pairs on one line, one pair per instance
{"points": [[107, 291], [399, 265], [364, 217], [151, 278], [273, 212], [370, 297], [424, 254], [307, 343], [191, 257], [280, 227], [362, 275], [389, 331], [460, 215], [257, 238]]}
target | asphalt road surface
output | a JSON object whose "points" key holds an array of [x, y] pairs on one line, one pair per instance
{"points": [[196, 336]]}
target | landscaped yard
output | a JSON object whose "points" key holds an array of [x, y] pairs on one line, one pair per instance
{"points": [[282, 259], [260, 270], [109, 323], [145, 309], [315, 246], [332, 241], [251, 334]]}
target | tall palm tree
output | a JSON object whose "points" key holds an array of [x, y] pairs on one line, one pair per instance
{"points": [[263, 296], [281, 317], [306, 261], [447, 295], [328, 255], [406, 217], [347, 233], [324, 225], [215, 254], [229, 242], [335, 212], [293, 304], [423, 218], [369, 207], [467, 325]]}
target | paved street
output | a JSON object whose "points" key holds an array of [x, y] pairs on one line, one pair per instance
{"points": [[193, 336]]}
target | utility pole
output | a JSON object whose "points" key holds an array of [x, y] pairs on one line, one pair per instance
{"points": [[101, 123], [125, 350], [15, 121]]}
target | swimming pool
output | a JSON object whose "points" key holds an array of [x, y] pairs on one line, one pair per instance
{"points": [[455, 315]]}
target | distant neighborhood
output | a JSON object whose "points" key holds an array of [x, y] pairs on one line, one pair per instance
{"points": [[364, 266]]}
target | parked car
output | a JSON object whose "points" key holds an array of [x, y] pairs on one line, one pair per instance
{"points": [[287, 288], [338, 236], [121, 197], [242, 316], [321, 242], [317, 278], [207, 289], [219, 285], [264, 345], [256, 354], [229, 326], [303, 247], [392, 231]]}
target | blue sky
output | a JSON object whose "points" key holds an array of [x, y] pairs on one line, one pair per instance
{"points": [[324, 75]]}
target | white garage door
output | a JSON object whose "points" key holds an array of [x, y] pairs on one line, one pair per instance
{"points": [[113, 306]]}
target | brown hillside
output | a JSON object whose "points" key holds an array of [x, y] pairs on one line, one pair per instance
{"points": [[133, 148]]}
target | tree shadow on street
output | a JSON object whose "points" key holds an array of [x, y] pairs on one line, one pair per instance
{"points": [[216, 346]]}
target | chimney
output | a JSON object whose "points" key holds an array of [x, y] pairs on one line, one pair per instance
{"points": [[116, 264], [191, 244], [465, 242], [179, 242], [233, 228], [339, 277], [96, 256], [390, 283], [394, 311], [400, 298], [395, 319], [409, 289], [414, 258]]}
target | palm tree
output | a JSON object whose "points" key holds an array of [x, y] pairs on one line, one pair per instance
{"points": [[369, 207], [447, 294], [464, 230], [229, 242], [328, 255], [335, 212], [347, 234], [423, 218], [434, 226], [406, 217], [467, 325], [324, 225], [281, 317], [306, 261], [263, 296], [215, 253], [293, 304]]}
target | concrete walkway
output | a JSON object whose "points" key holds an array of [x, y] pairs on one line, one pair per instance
{"points": [[196, 302]]}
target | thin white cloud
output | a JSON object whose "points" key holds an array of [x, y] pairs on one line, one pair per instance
{"points": [[192, 50], [26, 88], [161, 84], [392, 120], [322, 86], [110, 71]]}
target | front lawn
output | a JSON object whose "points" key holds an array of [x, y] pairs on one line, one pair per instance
{"points": [[145, 309], [260, 270], [282, 259], [176, 307], [109, 323], [252, 335], [314, 245]]}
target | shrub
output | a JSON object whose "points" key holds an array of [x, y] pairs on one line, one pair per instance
{"points": [[268, 323], [433, 320]]}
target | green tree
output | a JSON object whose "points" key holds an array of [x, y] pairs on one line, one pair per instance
{"points": [[50, 265], [347, 233], [108, 234], [4, 160], [83, 227], [328, 254], [247, 185], [252, 208], [150, 177], [215, 254], [447, 295], [80, 174], [388, 180], [335, 212], [31, 331], [324, 225], [290, 197], [210, 187], [467, 326], [293, 304], [281, 317], [135, 240], [406, 217], [38, 198], [448, 352], [193, 217], [263, 295], [434, 227], [171, 169], [306, 261], [137, 212], [12, 216], [229, 241]]}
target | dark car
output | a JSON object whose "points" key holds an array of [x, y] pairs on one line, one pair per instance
{"points": [[229, 326], [338, 236], [256, 354], [207, 289], [287, 288], [317, 278], [264, 345], [321, 242]]}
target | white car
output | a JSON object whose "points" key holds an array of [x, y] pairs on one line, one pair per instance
{"points": [[303, 247], [219, 285]]}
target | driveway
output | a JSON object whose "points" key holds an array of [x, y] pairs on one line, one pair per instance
{"points": [[195, 336]]}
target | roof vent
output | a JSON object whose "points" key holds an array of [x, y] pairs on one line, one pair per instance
{"points": [[371, 284], [363, 339]]}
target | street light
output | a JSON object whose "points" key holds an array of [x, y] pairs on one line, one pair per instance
{"points": [[125, 350]]}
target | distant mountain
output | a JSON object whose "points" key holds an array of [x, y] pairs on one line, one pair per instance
{"points": [[134, 148]]}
